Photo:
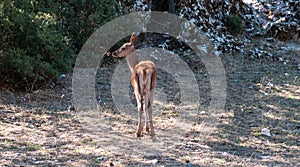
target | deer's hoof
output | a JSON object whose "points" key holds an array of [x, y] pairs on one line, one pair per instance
{"points": [[138, 134], [147, 129], [152, 135]]}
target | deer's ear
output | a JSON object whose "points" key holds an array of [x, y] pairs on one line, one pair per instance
{"points": [[133, 38]]}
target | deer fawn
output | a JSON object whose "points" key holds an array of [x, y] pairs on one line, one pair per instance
{"points": [[143, 80]]}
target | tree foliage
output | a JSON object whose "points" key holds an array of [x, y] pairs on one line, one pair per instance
{"points": [[39, 39], [234, 24]]}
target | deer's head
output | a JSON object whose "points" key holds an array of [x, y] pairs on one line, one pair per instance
{"points": [[126, 48]]}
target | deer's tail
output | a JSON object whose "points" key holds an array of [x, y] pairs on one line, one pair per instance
{"points": [[144, 83]]}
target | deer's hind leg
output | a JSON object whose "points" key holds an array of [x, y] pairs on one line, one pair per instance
{"points": [[148, 103], [152, 133], [140, 125], [139, 100], [140, 115], [146, 109]]}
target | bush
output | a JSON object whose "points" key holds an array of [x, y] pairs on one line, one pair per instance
{"points": [[234, 24], [33, 51], [39, 39]]}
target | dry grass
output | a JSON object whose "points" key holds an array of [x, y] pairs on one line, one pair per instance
{"points": [[261, 94]]}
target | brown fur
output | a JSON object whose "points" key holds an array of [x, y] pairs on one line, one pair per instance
{"points": [[143, 80]]}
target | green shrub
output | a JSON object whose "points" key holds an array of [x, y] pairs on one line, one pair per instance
{"points": [[32, 50], [39, 39], [234, 24]]}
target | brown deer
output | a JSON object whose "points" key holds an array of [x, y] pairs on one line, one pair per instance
{"points": [[143, 80]]}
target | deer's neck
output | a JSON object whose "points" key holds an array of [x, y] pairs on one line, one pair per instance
{"points": [[132, 61]]}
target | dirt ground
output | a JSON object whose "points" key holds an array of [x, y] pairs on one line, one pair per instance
{"points": [[260, 125]]}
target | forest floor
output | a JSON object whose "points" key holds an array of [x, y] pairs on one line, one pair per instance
{"points": [[260, 125]]}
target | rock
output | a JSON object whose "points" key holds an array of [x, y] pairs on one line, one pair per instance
{"points": [[266, 131], [278, 20], [264, 157], [202, 112], [101, 158], [273, 19], [284, 31], [153, 161], [71, 108]]}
